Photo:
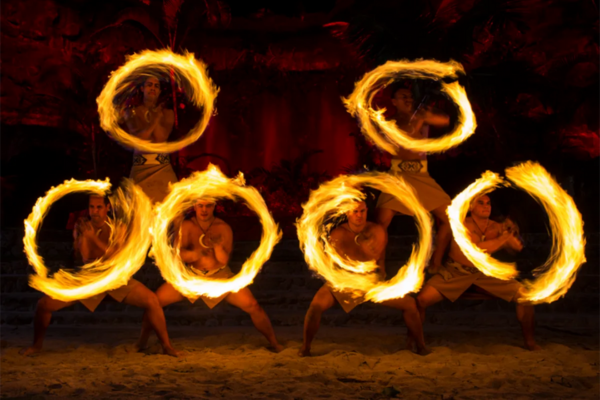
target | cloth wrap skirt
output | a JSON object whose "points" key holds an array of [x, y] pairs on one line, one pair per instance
{"points": [[119, 294], [222, 273], [414, 172], [454, 279], [347, 299], [153, 173]]}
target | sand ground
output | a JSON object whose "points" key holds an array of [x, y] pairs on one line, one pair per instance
{"points": [[348, 363]]}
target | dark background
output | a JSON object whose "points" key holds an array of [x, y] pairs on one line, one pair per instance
{"points": [[282, 66]]}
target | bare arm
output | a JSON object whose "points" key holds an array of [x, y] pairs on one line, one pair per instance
{"points": [[188, 251], [434, 118], [493, 245], [164, 128], [134, 126], [374, 245], [84, 236], [381, 258], [223, 244]]}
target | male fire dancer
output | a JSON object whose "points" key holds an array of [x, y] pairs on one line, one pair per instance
{"points": [[91, 240], [360, 240], [459, 274], [412, 166], [205, 244], [151, 121]]}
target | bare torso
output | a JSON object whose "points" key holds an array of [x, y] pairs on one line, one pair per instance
{"points": [[369, 246], [492, 232], [205, 258], [154, 125], [416, 129], [88, 248]]}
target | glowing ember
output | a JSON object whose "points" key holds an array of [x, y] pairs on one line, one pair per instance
{"points": [[457, 211], [129, 241], [330, 201], [359, 104], [214, 185], [186, 69], [568, 242]]}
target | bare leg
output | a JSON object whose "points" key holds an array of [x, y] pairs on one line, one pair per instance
{"points": [[525, 315], [43, 315], [245, 301], [442, 238], [141, 296], [410, 313], [322, 301], [166, 295], [384, 216], [427, 297]]}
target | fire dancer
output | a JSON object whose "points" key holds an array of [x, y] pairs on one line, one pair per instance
{"points": [[459, 274], [360, 240], [151, 121], [205, 243], [91, 237], [412, 166]]}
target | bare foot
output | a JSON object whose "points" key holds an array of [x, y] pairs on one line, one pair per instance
{"points": [[423, 350], [533, 346], [304, 352], [173, 353], [30, 351], [276, 348]]}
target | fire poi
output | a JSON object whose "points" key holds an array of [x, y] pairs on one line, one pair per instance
{"points": [[187, 71], [129, 242], [556, 276], [210, 184], [385, 134], [333, 199]]}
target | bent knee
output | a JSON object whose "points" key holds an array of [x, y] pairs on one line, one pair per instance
{"points": [[43, 304], [252, 307], [151, 301], [422, 301]]}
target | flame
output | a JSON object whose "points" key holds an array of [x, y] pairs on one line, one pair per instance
{"points": [[568, 242], [187, 69], [331, 200], [373, 121], [457, 211], [126, 253], [557, 275], [209, 184]]}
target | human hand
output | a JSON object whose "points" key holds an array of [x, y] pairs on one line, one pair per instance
{"points": [[515, 243], [87, 229]]}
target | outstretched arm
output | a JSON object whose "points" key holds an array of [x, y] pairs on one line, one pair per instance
{"points": [[434, 117]]}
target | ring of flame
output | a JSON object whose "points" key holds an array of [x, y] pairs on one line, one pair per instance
{"points": [[457, 211], [557, 275], [209, 184], [202, 96], [106, 273], [345, 274], [359, 104]]}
